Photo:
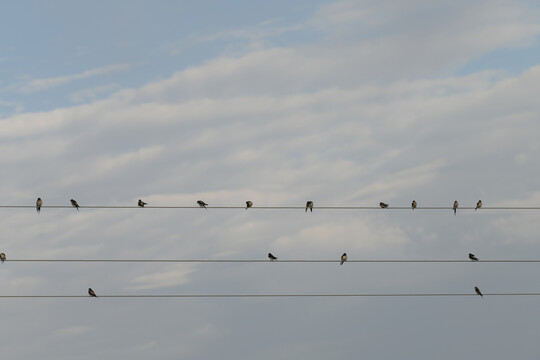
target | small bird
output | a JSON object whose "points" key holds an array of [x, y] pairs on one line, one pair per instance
{"points": [[472, 257], [91, 292], [272, 257], [383, 205], [309, 205], [343, 258], [141, 203], [478, 205], [202, 204], [249, 204], [456, 204], [478, 291], [74, 204], [2, 257], [413, 205], [38, 204]]}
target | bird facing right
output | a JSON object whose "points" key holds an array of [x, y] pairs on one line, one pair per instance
{"points": [[343, 258], [478, 205]]}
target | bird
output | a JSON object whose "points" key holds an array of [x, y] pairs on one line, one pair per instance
{"points": [[343, 258], [38, 204], [478, 205], [202, 204], [413, 205], [383, 205], [141, 203], [2, 257], [272, 257], [309, 205], [478, 291], [456, 204], [74, 204], [249, 204], [473, 257], [91, 292]]}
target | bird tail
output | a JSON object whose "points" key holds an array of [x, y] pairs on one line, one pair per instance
{"points": [[341, 263], [455, 211]]}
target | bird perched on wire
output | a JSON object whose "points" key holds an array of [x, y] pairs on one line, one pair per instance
{"points": [[141, 203], [2, 257], [272, 257], [413, 205], [383, 205], [343, 258], [473, 257], [309, 205], [202, 204], [478, 205], [74, 204], [38, 204], [91, 292], [249, 204], [456, 204], [478, 291]]}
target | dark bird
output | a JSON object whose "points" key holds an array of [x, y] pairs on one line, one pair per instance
{"points": [[272, 257], [249, 204], [478, 291], [202, 204], [413, 205], [38, 204], [343, 258], [91, 292], [141, 203], [472, 257], [478, 205], [309, 205], [74, 204], [383, 205], [2, 257], [456, 204]]}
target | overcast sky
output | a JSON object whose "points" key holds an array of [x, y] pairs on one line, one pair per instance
{"points": [[344, 103]]}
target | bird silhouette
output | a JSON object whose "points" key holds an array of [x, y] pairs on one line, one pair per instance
{"points": [[141, 203], [249, 204], [413, 205], [343, 258], [38, 204], [272, 257], [202, 204], [383, 205], [2, 257], [74, 204], [91, 292], [309, 205], [478, 205], [472, 257], [478, 291], [456, 204]]}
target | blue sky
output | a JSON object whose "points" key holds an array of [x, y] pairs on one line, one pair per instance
{"points": [[345, 103]]}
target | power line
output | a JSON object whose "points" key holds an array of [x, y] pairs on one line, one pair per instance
{"points": [[278, 207], [269, 295], [268, 261]]}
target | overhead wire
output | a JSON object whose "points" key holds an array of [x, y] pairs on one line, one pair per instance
{"points": [[276, 261]]}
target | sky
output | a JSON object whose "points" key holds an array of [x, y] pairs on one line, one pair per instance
{"points": [[345, 103]]}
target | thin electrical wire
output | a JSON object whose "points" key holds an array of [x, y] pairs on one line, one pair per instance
{"points": [[268, 295], [279, 207], [266, 261]]}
